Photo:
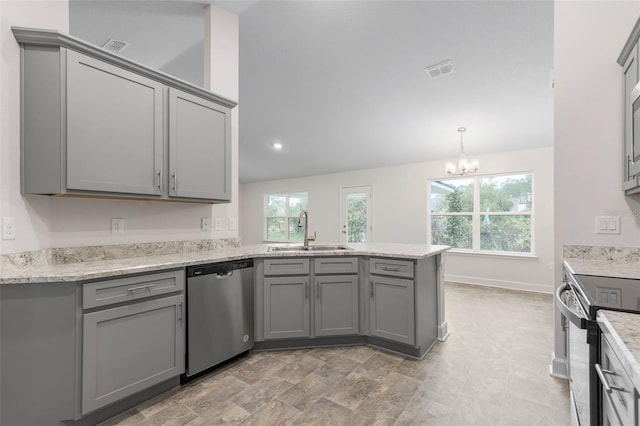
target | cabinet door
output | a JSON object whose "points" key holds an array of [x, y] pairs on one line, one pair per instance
{"points": [[336, 306], [114, 128], [392, 309], [631, 153], [286, 307], [199, 148], [129, 348]]}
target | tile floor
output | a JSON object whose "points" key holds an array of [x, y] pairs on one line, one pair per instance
{"points": [[493, 370]]}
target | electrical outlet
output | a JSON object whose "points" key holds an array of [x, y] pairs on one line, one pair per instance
{"points": [[8, 228], [117, 226], [206, 223], [233, 224], [217, 224]]}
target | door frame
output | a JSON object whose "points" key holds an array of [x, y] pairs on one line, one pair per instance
{"points": [[350, 189]]}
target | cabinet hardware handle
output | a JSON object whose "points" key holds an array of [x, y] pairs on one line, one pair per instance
{"points": [[180, 312], [607, 387], [319, 289], [389, 268], [306, 289], [132, 289], [629, 164], [371, 288], [174, 178], [159, 176]]}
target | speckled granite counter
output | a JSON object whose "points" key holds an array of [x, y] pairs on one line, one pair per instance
{"points": [[622, 330], [614, 262], [36, 270]]}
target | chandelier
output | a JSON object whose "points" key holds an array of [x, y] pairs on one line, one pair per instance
{"points": [[464, 166]]}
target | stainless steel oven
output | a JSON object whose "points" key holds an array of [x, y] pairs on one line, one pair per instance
{"points": [[579, 300], [578, 353]]}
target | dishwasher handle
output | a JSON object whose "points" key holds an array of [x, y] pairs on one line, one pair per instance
{"points": [[222, 275]]}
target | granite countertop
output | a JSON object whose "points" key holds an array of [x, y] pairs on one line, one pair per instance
{"points": [[614, 262], [622, 330], [93, 269]]}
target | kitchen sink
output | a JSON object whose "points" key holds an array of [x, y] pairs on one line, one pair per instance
{"points": [[310, 248]]}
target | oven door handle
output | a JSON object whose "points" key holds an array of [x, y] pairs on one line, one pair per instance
{"points": [[572, 316]]}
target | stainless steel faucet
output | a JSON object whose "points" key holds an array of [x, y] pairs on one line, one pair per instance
{"points": [[307, 238]]}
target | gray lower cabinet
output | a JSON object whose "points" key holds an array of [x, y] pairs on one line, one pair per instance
{"points": [[199, 148], [129, 348], [97, 124], [286, 307], [336, 306], [619, 402], [307, 298], [133, 335], [391, 314]]}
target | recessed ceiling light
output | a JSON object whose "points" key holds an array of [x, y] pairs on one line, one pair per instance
{"points": [[277, 146]]}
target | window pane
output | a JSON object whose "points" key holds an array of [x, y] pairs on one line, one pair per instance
{"points": [[296, 233], [357, 217], [452, 195], [454, 231], [276, 230], [276, 205], [510, 193], [505, 233], [297, 203]]}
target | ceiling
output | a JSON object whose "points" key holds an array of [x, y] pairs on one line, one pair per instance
{"points": [[342, 85]]}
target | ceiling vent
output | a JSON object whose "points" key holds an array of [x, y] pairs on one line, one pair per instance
{"points": [[439, 69], [115, 46]]}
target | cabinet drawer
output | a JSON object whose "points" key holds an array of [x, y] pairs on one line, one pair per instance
{"points": [[391, 267], [622, 396], [294, 266], [336, 265], [119, 290]]}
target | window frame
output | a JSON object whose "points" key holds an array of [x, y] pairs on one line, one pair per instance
{"points": [[286, 217], [476, 215]]}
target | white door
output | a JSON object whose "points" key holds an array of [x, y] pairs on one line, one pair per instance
{"points": [[355, 214]]}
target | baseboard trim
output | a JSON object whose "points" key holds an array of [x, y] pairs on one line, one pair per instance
{"points": [[443, 331], [511, 285], [558, 367]]}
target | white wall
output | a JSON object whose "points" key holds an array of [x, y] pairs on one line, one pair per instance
{"points": [[588, 126], [44, 222], [400, 213]]}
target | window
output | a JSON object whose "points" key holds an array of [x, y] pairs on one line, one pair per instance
{"points": [[282, 212], [483, 213]]}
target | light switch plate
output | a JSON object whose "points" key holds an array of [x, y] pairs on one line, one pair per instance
{"points": [[217, 224], [206, 223], [233, 224], [607, 225]]}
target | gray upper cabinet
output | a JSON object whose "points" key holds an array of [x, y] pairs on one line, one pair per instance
{"points": [[114, 128], [97, 124], [628, 59], [200, 127]]}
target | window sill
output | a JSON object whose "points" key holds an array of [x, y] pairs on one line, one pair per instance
{"points": [[524, 256]]}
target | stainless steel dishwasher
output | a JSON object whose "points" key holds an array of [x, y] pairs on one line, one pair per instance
{"points": [[219, 313]]}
